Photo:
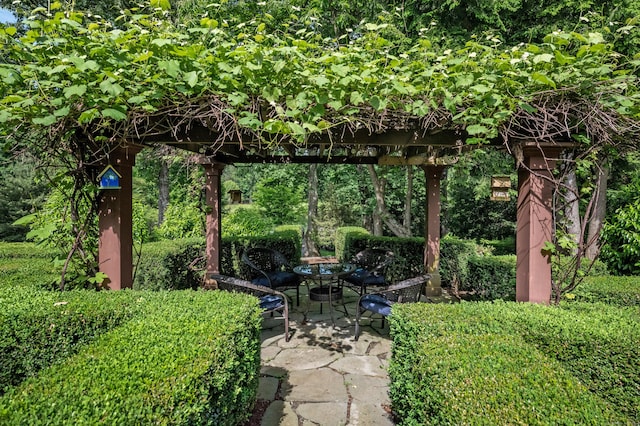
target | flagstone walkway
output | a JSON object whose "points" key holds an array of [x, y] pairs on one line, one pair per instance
{"points": [[322, 376]]}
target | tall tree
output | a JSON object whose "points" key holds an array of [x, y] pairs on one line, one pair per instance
{"points": [[311, 232]]}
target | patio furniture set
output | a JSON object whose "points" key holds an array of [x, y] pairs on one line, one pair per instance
{"points": [[269, 274]]}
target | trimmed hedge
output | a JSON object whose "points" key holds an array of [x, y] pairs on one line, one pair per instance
{"points": [[619, 291], [454, 260], [164, 265], [39, 328], [492, 277], [598, 343], [180, 264], [193, 358], [342, 235], [23, 250], [27, 265], [484, 363]]}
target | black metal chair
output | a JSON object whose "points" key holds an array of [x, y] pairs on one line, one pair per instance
{"points": [[270, 299], [269, 268], [371, 265], [406, 291]]}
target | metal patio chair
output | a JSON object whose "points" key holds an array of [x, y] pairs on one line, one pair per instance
{"points": [[371, 265], [270, 268], [406, 291], [270, 299]]}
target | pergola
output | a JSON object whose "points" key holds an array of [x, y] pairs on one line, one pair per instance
{"points": [[96, 94], [407, 143]]}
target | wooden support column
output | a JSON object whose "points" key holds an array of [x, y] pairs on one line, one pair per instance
{"points": [[534, 223], [433, 175], [213, 196], [115, 248]]}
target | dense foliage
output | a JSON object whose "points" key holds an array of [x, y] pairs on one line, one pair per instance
{"points": [[186, 358], [278, 77], [527, 363]]}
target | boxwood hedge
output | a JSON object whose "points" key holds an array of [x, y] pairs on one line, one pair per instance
{"points": [[192, 358], [619, 291], [487, 363], [39, 328]]}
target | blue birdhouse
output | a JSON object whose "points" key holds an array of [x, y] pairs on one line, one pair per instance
{"points": [[109, 178]]}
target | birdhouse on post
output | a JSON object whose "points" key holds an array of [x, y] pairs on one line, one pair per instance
{"points": [[500, 188], [235, 196], [109, 178]]}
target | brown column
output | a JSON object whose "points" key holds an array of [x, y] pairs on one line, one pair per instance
{"points": [[433, 175], [213, 195], [115, 248], [534, 224]]}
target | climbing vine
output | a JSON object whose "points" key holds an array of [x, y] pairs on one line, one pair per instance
{"points": [[75, 74], [83, 85]]}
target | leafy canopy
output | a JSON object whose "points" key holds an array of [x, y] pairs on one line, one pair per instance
{"points": [[69, 73]]}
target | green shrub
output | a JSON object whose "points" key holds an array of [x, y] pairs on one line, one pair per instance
{"points": [[342, 234], [170, 265], [619, 291], [472, 363], [501, 247], [596, 342], [454, 257], [34, 272], [24, 250], [182, 221], [244, 220], [285, 228], [492, 277], [621, 241], [39, 328], [192, 358]]}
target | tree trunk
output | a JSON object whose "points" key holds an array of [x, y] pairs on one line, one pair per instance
{"points": [[163, 190], [381, 209], [599, 211], [309, 244], [406, 222], [572, 203]]}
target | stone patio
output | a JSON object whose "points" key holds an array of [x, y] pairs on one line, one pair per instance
{"points": [[322, 376]]}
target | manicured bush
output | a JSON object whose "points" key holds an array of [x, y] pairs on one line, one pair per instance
{"points": [[454, 257], [619, 291], [170, 265], [492, 277], [192, 358], [344, 233], [501, 247], [596, 342], [23, 250], [472, 363], [39, 328]]}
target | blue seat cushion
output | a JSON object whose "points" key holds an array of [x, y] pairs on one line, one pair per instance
{"points": [[362, 277], [277, 279], [270, 302], [376, 303]]}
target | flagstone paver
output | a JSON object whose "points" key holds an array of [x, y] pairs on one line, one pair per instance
{"points": [[322, 376]]}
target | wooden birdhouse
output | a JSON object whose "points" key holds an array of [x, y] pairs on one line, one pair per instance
{"points": [[109, 178], [235, 196], [500, 188]]}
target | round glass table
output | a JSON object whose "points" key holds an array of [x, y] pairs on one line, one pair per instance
{"points": [[325, 277]]}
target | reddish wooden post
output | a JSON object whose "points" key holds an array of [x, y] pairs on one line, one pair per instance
{"points": [[534, 223], [115, 248], [433, 175], [213, 194]]}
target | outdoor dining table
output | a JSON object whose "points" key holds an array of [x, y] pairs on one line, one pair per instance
{"points": [[325, 279]]}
